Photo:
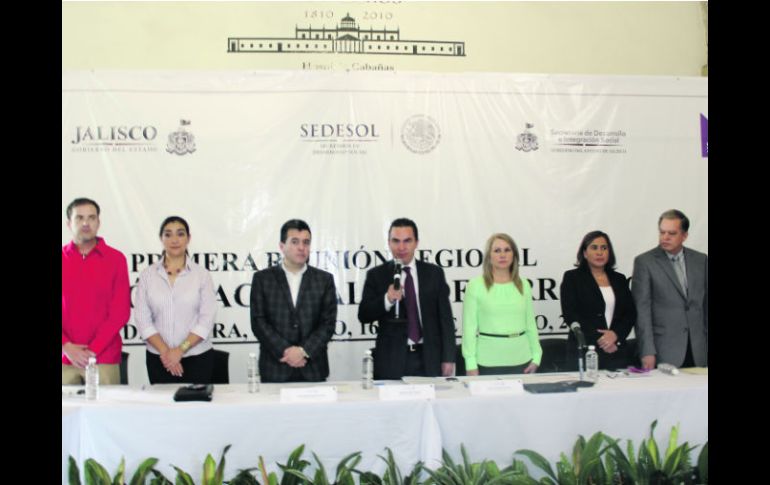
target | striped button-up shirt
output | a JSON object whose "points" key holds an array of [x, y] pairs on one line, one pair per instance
{"points": [[175, 311]]}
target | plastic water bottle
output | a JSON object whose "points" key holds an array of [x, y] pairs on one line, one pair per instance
{"points": [[668, 369], [252, 372], [592, 364], [92, 380], [367, 376]]}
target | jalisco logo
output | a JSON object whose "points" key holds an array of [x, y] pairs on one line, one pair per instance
{"points": [[704, 136], [420, 133], [527, 141], [114, 138], [345, 38], [182, 141], [114, 135]]}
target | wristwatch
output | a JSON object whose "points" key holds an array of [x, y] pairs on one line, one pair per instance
{"points": [[184, 346], [304, 354]]}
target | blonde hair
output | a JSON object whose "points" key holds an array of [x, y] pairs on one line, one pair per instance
{"points": [[514, 268]]}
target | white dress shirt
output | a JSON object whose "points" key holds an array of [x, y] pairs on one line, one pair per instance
{"points": [[175, 311], [295, 280], [609, 303], [401, 307]]}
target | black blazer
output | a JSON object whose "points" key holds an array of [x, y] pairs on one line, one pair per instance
{"points": [[438, 330], [582, 301], [279, 325]]}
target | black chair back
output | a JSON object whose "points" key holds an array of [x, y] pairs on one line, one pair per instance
{"points": [[632, 353], [123, 367], [221, 367], [459, 361], [554, 355]]}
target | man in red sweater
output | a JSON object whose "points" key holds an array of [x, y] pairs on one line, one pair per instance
{"points": [[95, 298]]}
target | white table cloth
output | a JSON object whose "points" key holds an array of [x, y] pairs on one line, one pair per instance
{"points": [[141, 423]]}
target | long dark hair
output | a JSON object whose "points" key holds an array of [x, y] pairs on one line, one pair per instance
{"points": [[168, 220], [581, 260]]}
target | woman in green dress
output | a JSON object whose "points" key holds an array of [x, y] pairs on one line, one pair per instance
{"points": [[499, 331]]}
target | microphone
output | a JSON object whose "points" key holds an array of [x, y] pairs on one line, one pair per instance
{"points": [[397, 283], [397, 275], [575, 327]]}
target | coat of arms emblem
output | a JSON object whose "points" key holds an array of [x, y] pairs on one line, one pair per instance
{"points": [[420, 134], [182, 141], [527, 141]]}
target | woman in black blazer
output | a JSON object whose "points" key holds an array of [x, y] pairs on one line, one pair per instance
{"points": [[598, 297]]}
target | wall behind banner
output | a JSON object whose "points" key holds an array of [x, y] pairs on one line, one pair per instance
{"points": [[627, 38], [544, 158]]}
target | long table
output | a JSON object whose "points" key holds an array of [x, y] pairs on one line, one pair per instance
{"points": [[138, 423]]}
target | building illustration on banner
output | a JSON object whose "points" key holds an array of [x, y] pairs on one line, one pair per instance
{"points": [[345, 38]]}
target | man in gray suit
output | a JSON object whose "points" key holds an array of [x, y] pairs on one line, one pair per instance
{"points": [[670, 288], [293, 312]]}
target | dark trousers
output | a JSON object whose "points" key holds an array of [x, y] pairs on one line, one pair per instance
{"points": [[197, 369], [415, 365], [689, 361], [295, 376]]}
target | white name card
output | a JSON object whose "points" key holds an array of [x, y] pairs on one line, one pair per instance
{"points": [[407, 392], [501, 387], [309, 394]]}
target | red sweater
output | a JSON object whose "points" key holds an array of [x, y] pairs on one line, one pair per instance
{"points": [[95, 300]]}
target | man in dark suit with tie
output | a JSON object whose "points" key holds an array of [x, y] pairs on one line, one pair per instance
{"points": [[422, 341], [293, 312], [670, 288]]}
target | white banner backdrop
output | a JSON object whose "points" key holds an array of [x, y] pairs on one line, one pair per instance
{"points": [[544, 158]]}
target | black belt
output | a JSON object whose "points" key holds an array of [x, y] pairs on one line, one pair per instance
{"points": [[413, 347], [510, 335]]}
